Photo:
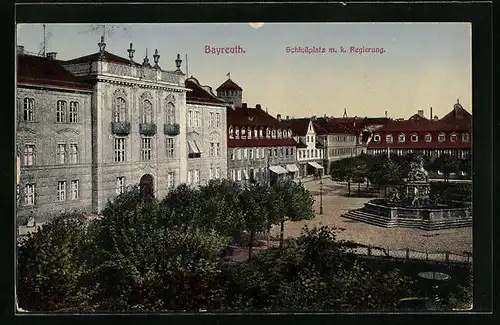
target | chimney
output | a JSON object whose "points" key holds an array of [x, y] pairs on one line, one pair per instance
{"points": [[257, 106], [420, 113], [20, 49], [431, 113], [278, 117], [51, 55], [244, 105], [287, 117], [435, 118]]}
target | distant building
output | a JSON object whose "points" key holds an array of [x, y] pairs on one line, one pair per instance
{"points": [[310, 151], [206, 134], [452, 134], [260, 147]]}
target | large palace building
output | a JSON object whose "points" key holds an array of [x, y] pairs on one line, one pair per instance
{"points": [[90, 126], [452, 134]]}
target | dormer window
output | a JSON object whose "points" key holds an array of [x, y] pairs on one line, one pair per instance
{"points": [[237, 134], [255, 133], [453, 137], [401, 138], [280, 134], [243, 133], [414, 138], [274, 134], [268, 133], [388, 138], [465, 137], [231, 132], [441, 137], [290, 134], [428, 137], [249, 133], [261, 133], [376, 138]]}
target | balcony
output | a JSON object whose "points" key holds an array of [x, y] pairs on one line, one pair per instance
{"points": [[171, 129], [120, 128], [147, 128]]}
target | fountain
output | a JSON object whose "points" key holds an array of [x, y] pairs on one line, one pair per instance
{"points": [[410, 206]]}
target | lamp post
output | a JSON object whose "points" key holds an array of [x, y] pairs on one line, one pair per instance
{"points": [[320, 197]]}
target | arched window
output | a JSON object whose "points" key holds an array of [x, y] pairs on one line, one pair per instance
{"points": [[273, 134], [290, 133], [414, 138], [147, 111], [376, 138], [120, 110], [280, 133], [231, 132], [29, 109], [401, 138], [428, 137], [453, 137], [170, 113], [268, 133], [388, 138], [243, 132], [465, 137], [441, 137], [61, 111]]}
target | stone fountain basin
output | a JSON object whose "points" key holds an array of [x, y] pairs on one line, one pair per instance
{"points": [[392, 210]]}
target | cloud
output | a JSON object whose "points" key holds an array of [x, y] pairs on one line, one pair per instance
{"points": [[256, 25]]}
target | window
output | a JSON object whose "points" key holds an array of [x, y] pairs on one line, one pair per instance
{"points": [[73, 153], [196, 176], [217, 120], [29, 110], [170, 179], [119, 150], [441, 137], [287, 152], [212, 149], [232, 154], [401, 138], [376, 138], [414, 138], [73, 112], [250, 153], [273, 134], [190, 119], [217, 172], [453, 137], [465, 137], [170, 113], [211, 121], [388, 138], [120, 110], [239, 174], [291, 151], [146, 149], [428, 137], [147, 112], [233, 174], [262, 153], [281, 152], [231, 132], [29, 155], [170, 147], [239, 153], [261, 133], [257, 151], [198, 119], [210, 173], [29, 194], [243, 132], [268, 133], [120, 185], [255, 133], [237, 133], [190, 177], [61, 153], [61, 111], [61, 191], [280, 133], [307, 153], [245, 153], [275, 152], [74, 190]]}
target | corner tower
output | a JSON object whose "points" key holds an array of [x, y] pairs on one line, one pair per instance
{"points": [[230, 92]]}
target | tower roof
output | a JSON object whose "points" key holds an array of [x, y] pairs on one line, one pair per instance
{"points": [[229, 85]]}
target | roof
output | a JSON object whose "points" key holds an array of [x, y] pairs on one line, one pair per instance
{"points": [[421, 144], [232, 143], [333, 126], [417, 117], [42, 71], [250, 116], [110, 57], [458, 115], [201, 94], [229, 85], [298, 125]]}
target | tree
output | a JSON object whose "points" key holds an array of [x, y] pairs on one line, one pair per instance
{"points": [[340, 171], [181, 208], [385, 172], [447, 164]]}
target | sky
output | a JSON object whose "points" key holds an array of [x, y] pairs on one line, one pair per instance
{"points": [[423, 64]]}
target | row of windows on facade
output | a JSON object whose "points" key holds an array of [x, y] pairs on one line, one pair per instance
{"points": [[343, 138], [146, 149], [63, 115], [342, 151], [62, 192], [258, 153], [310, 153], [63, 156], [195, 119], [428, 138], [193, 176], [255, 132], [229, 93], [248, 173], [426, 152], [146, 112]]}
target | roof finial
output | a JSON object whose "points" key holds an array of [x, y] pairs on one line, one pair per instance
{"points": [[146, 60], [178, 63], [102, 47], [345, 112], [458, 101], [228, 75], [156, 58], [131, 53]]}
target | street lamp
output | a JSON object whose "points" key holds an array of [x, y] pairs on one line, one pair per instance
{"points": [[320, 197]]}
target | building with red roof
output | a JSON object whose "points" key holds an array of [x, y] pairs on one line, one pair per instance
{"points": [[452, 134], [260, 146]]}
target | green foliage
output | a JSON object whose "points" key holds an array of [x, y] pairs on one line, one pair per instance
{"points": [[447, 164], [447, 192]]}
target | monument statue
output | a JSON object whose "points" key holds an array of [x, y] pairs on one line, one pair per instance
{"points": [[417, 172]]}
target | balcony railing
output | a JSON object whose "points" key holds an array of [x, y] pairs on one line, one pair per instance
{"points": [[171, 129], [120, 128], [147, 128]]}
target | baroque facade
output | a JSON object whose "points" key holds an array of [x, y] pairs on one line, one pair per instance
{"points": [[131, 128]]}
